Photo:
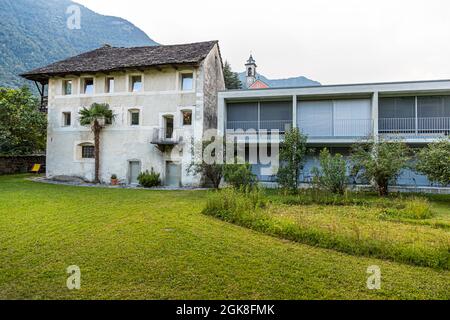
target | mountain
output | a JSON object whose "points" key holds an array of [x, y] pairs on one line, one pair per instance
{"points": [[283, 83], [34, 33]]}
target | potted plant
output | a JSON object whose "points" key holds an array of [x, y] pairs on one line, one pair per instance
{"points": [[114, 180]]}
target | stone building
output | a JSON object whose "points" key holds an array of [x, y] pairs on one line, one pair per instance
{"points": [[164, 98]]}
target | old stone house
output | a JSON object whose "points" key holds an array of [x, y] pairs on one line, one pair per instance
{"points": [[164, 98]]}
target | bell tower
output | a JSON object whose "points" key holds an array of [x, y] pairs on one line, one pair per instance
{"points": [[250, 68]]}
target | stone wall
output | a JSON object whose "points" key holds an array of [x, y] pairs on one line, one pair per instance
{"points": [[20, 164]]}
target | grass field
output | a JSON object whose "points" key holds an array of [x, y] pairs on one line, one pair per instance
{"points": [[138, 244]]}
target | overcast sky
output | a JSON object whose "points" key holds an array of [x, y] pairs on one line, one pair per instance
{"points": [[331, 41]]}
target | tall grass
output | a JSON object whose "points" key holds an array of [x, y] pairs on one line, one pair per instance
{"points": [[246, 208]]}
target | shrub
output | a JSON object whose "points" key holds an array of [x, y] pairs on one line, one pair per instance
{"points": [[239, 175], [434, 162], [149, 179], [380, 162], [292, 158], [412, 208], [332, 173]]}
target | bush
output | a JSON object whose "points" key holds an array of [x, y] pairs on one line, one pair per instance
{"points": [[240, 175], [149, 179], [332, 173], [380, 162], [433, 161], [292, 158]]}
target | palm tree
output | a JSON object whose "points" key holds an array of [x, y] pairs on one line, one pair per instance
{"points": [[96, 116]]}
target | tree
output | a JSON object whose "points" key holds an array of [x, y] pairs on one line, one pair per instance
{"points": [[96, 116], [332, 174], [240, 175], [212, 170], [380, 162], [292, 158], [23, 129], [231, 78], [434, 162]]}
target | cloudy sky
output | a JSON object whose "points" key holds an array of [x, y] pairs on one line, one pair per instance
{"points": [[331, 41]]}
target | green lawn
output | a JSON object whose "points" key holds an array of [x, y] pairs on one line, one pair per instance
{"points": [[137, 244]]}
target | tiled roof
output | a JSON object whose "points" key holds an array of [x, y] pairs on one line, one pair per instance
{"points": [[107, 59]]}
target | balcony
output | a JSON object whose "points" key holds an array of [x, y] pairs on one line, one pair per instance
{"points": [[167, 138], [337, 129], [281, 125], [414, 128]]}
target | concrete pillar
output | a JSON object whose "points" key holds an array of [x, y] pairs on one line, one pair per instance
{"points": [[294, 111], [375, 115]]}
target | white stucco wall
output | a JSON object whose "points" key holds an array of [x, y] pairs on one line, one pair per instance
{"points": [[121, 142]]}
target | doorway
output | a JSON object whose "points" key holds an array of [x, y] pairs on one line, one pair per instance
{"points": [[134, 171], [168, 127], [173, 174]]}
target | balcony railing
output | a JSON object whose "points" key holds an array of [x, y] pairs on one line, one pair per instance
{"points": [[414, 127], [281, 125], [338, 128], [167, 136]]}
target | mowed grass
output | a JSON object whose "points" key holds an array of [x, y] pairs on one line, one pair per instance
{"points": [[137, 244]]}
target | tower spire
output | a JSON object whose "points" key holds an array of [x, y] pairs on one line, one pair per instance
{"points": [[250, 68]]}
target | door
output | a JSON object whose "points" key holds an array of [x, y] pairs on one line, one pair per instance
{"points": [[168, 127], [173, 174], [135, 170]]}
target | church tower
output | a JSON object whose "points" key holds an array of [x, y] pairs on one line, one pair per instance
{"points": [[250, 68]]}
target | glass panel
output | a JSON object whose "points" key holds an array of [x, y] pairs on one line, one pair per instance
{"points": [[89, 86], [136, 83], [134, 118], [397, 115], [169, 127], [187, 118], [87, 152], [109, 85], [67, 118], [276, 115], [67, 87], [242, 115], [187, 82]]}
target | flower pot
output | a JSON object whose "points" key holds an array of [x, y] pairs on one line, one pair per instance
{"points": [[114, 182]]}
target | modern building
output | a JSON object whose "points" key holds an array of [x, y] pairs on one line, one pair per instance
{"points": [[337, 116], [164, 98]]}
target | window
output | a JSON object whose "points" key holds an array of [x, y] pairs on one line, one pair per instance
{"points": [[134, 117], [136, 83], [109, 85], [67, 87], [67, 119], [87, 152], [187, 82], [187, 118], [88, 86]]}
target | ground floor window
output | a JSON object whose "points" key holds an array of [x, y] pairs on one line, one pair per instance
{"points": [[87, 152]]}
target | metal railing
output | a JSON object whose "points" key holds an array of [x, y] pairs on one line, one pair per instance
{"points": [[281, 125], [354, 128], [439, 126]]}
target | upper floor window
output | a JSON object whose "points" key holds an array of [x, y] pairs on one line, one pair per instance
{"points": [[187, 118], [109, 85], [187, 81], [87, 152], [136, 83], [88, 85], [67, 87], [67, 119]]}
